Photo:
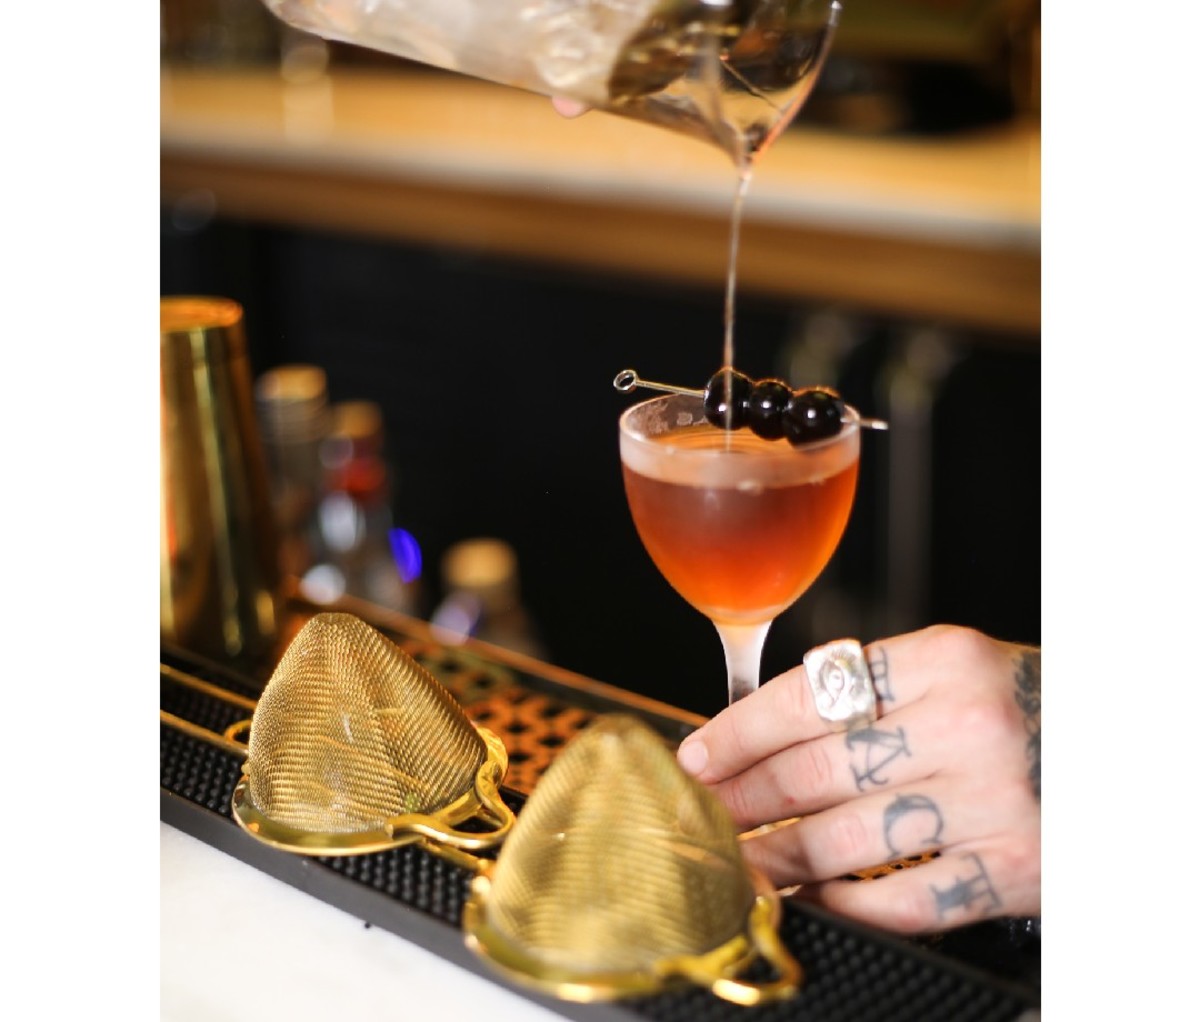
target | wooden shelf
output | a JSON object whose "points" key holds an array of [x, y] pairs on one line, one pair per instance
{"points": [[947, 229]]}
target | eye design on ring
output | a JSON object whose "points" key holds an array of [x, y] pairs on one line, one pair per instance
{"points": [[842, 689]]}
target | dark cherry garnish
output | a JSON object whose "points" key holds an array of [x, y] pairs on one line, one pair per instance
{"points": [[768, 399], [814, 413], [727, 398], [771, 408]]}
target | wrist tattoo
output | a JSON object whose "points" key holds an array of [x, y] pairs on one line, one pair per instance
{"points": [[871, 750], [1028, 678], [972, 894], [922, 821]]}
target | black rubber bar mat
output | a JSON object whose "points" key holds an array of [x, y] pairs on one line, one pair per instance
{"points": [[986, 972]]}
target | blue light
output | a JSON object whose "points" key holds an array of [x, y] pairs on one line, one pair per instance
{"points": [[406, 552]]}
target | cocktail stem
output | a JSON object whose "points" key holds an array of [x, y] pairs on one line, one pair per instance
{"points": [[743, 655]]}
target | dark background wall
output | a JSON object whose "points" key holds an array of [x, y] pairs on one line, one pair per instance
{"points": [[495, 382]]}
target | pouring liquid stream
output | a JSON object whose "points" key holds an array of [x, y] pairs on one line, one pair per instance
{"points": [[735, 234]]}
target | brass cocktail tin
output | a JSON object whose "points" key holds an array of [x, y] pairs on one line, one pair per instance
{"points": [[219, 579]]}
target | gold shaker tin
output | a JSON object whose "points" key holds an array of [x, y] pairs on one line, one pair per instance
{"points": [[219, 577]]}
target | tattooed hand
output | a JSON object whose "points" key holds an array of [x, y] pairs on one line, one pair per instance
{"points": [[948, 778]]}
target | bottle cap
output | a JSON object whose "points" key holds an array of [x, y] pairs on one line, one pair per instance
{"points": [[291, 403], [484, 566]]}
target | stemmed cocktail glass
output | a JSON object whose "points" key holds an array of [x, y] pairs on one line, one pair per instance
{"points": [[739, 525]]}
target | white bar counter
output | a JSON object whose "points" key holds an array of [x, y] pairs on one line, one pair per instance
{"points": [[238, 945]]}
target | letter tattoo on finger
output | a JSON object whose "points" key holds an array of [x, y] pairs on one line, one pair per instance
{"points": [[966, 893], [919, 812], [872, 749], [877, 661]]}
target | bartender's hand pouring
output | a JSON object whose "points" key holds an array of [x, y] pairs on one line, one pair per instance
{"points": [[924, 748]]}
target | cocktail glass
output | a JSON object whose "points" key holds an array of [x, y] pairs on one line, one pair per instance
{"points": [[740, 526]]}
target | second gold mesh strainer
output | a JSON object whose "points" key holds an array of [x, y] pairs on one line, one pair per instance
{"points": [[355, 747], [622, 875]]}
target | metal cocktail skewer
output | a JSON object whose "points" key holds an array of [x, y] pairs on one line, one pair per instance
{"points": [[627, 379]]}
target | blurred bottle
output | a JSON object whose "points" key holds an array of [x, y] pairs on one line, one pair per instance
{"points": [[361, 552], [482, 598], [293, 417]]}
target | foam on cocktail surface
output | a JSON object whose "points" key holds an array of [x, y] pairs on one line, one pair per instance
{"points": [[699, 454]]}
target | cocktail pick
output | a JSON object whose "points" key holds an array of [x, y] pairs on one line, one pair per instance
{"points": [[627, 379], [625, 876]]}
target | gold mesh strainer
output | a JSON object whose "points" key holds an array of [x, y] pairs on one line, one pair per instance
{"points": [[355, 747], [624, 876]]}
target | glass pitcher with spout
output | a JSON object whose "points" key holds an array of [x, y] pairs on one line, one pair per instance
{"points": [[731, 72]]}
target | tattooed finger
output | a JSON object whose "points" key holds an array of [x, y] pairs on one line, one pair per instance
{"points": [[913, 820], [854, 836], [783, 712], [954, 889], [812, 776]]}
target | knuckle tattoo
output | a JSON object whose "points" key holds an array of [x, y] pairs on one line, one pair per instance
{"points": [[971, 892], [872, 751], [912, 823]]}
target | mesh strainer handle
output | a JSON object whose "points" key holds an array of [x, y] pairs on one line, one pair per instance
{"points": [[765, 937], [490, 808]]}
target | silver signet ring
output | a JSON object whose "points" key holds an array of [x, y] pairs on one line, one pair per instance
{"points": [[841, 683]]}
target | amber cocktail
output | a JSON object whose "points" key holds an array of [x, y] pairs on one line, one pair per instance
{"points": [[739, 525]]}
